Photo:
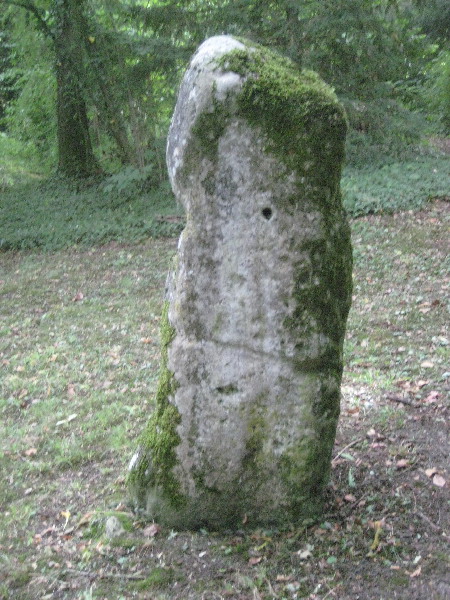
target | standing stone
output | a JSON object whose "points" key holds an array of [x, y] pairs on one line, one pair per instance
{"points": [[257, 302]]}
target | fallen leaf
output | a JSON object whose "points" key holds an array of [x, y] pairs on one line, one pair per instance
{"points": [[66, 515], [304, 554], [427, 364], [85, 519], [46, 531], [415, 573], [422, 383], [431, 472], [31, 452], [374, 547], [146, 340], [402, 463], [439, 480], [65, 421], [432, 397], [152, 530], [371, 433], [349, 498], [254, 560], [284, 578]]}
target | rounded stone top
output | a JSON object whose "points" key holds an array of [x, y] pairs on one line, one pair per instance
{"points": [[203, 84], [230, 80]]}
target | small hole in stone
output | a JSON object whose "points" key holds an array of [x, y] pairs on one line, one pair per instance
{"points": [[267, 213]]}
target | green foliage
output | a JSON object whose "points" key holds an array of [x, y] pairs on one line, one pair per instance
{"points": [[362, 47], [8, 74], [54, 215], [132, 54], [434, 18], [396, 186], [31, 118], [29, 115], [127, 182], [438, 89], [19, 162], [382, 128]]}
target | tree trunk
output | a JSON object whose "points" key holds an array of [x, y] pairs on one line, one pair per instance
{"points": [[76, 156]]}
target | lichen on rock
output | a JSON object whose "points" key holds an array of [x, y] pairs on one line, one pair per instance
{"points": [[248, 395]]}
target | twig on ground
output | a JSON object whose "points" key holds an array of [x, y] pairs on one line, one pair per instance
{"points": [[395, 398], [427, 520], [357, 441]]}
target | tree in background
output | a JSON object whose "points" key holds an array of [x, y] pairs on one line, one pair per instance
{"points": [[115, 65], [115, 78], [61, 24]]}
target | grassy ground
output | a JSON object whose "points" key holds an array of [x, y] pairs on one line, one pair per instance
{"points": [[79, 361]]}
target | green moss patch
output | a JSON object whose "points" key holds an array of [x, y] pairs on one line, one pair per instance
{"points": [[159, 440], [300, 114]]}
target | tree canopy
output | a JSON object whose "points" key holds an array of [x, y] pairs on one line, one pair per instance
{"points": [[90, 84]]}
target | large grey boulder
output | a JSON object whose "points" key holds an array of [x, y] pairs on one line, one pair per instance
{"points": [[257, 301]]}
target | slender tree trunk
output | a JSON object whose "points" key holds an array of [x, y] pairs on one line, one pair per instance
{"points": [[294, 34], [76, 156]]}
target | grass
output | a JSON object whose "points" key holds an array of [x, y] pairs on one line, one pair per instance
{"points": [[79, 357]]}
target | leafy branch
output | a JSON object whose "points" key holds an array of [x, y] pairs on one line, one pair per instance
{"points": [[33, 9]]}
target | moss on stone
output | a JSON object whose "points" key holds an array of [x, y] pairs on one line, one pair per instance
{"points": [[157, 454], [300, 114], [304, 123], [299, 121], [256, 435]]}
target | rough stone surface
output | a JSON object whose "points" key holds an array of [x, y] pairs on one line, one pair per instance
{"points": [[257, 300]]}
